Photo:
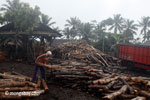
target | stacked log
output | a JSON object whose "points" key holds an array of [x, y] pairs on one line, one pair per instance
{"points": [[17, 86], [80, 66], [111, 86], [83, 52]]}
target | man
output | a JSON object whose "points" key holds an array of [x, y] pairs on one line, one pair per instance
{"points": [[42, 59]]}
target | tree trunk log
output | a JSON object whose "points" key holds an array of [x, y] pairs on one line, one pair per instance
{"points": [[96, 86], [104, 80], [74, 76], [112, 96], [125, 96], [12, 77], [144, 93], [139, 98], [50, 66], [17, 89], [107, 87], [129, 87], [44, 85], [13, 84], [32, 84]]}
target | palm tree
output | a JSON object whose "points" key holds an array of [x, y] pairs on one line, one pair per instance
{"points": [[73, 24], [11, 5], [100, 32], [46, 20], [67, 33], [10, 11], [145, 24], [148, 35], [129, 30], [57, 29], [86, 31], [117, 40], [22, 16], [10, 8], [116, 23]]}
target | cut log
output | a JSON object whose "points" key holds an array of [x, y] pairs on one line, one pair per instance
{"points": [[17, 78], [17, 89], [4, 81], [50, 66], [18, 86], [95, 86], [126, 96], [112, 96], [144, 93], [116, 87], [139, 98], [74, 76], [129, 87], [102, 59], [104, 80], [96, 60], [39, 82], [7, 73], [31, 84], [44, 85], [68, 73], [21, 75], [13, 84], [107, 87], [93, 74]]}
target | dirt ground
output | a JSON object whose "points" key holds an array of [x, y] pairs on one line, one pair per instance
{"points": [[55, 92]]}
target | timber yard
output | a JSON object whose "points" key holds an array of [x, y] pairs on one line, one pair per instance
{"points": [[106, 60]]}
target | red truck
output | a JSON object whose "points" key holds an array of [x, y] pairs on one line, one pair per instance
{"points": [[135, 55]]}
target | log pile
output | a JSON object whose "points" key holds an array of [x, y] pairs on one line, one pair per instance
{"points": [[110, 86], [83, 52], [80, 66], [17, 86]]}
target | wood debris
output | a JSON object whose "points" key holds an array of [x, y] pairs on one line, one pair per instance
{"points": [[17, 86], [80, 66], [83, 52]]}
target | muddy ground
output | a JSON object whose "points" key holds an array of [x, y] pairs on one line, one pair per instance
{"points": [[57, 92]]}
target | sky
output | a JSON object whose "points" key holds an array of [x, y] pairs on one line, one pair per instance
{"points": [[87, 10]]}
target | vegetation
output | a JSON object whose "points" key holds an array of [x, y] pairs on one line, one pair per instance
{"points": [[145, 24], [24, 19], [46, 20], [104, 35], [107, 34]]}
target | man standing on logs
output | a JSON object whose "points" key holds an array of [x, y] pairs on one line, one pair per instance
{"points": [[40, 62]]}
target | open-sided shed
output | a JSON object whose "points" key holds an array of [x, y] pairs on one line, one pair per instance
{"points": [[26, 44]]}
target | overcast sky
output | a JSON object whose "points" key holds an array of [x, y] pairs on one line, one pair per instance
{"points": [[87, 10]]}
